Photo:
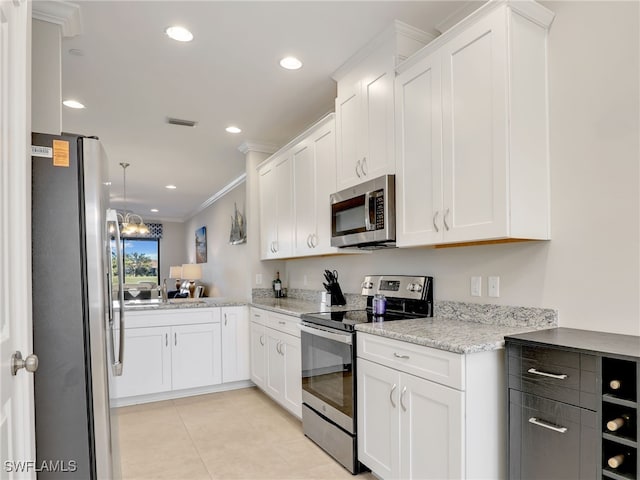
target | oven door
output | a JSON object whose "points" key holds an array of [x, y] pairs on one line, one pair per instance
{"points": [[328, 380]]}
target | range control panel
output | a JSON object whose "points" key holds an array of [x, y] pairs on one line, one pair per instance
{"points": [[398, 286]]}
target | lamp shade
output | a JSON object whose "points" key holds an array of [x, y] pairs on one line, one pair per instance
{"points": [[191, 271], [175, 272]]}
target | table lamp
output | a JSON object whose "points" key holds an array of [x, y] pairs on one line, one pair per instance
{"points": [[191, 272], [176, 272]]}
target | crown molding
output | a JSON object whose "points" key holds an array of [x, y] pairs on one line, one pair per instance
{"points": [[65, 14], [218, 195], [248, 146], [458, 15]]}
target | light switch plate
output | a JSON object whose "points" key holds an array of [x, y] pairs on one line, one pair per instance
{"points": [[476, 286], [493, 286], [258, 279]]}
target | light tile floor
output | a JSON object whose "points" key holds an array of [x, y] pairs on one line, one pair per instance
{"points": [[239, 434]]}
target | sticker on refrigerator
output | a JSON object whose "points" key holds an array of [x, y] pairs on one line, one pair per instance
{"points": [[60, 153], [38, 151]]}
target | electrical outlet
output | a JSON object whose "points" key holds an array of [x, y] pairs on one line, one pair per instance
{"points": [[476, 286], [493, 286], [258, 279]]}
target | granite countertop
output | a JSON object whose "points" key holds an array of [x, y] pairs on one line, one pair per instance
{"points": [[457, 336], [296, 307], [178, 303]]}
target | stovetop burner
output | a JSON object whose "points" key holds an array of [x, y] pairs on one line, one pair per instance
{"points": [[407, 297]]}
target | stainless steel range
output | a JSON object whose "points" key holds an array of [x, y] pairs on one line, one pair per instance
{"points": [[329, 360]]}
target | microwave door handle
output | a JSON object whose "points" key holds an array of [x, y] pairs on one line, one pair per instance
{"points": [[367, 212]]}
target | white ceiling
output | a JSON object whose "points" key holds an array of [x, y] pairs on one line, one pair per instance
{"points": [[131, 77]]}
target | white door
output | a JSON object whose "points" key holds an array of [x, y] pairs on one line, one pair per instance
{"points": [[17, 430], [268, 206], [431, 430], [419, 154], [378, 157], [196, 356], [258, 355], [324, 146], [348, 128], [378, 424], [304, 184]]}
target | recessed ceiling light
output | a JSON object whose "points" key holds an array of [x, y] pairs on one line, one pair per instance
{"points": [[73, 104], [154, 210], [180, 34], [233, 129], [290, 63], [171, 187]]}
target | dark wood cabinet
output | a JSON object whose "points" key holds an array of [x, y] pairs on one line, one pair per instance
{"points": [[573, 405]]}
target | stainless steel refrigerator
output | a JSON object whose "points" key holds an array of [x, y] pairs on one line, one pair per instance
{"points": [[73, 318]]}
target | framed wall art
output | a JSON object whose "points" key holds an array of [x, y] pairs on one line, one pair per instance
{"points": [[201, 245]]}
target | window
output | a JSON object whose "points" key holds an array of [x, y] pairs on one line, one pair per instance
{"points": [[141, 260]]}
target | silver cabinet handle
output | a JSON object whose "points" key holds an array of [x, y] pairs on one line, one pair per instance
{"points": [[282, 345], [393, 389], [358, 166], [314, 240], [561, 376], [278, 348], [444, 219], [363, 164], [309, 240], [175, 338], [549, 426], [225, 319], [262, 340], [435, 217], [276, 247], [404, 390], [397, 355], [166, 339]]}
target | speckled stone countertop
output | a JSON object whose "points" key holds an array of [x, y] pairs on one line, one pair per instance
{"points": [[296, 306], [458, 336], [177, 303]]}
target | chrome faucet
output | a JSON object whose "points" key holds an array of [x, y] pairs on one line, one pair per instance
{"points": [[165, 295]]}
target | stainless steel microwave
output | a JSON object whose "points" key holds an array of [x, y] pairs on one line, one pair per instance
{"points": [[364, 215]]}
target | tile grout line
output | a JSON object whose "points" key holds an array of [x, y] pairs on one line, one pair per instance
{"points": [[193, 442]]}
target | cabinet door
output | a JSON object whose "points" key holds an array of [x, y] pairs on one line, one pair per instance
{"points": [[292, 391], [431, 430], [235, 344], [147, 362], [275, 364], [304, 189], [419, 154], [195, 355], [474, 88], [348, 137], [378, 155], [284, 210], [268, 208], [378, 423], [258, 355], [324, 146]]}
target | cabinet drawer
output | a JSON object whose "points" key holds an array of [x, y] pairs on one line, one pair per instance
{"points": [[550, 439], [568, 377], [284, 323], [439, 366]]}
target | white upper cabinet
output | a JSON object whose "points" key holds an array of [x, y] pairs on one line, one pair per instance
{"points": [[276, 227], [472, 131], [365, 105], [314, 180]]}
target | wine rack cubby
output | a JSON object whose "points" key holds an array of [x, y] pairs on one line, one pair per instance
{"points": [[619, 419]]}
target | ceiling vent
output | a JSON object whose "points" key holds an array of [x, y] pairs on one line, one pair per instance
{"points": [[180, 122]]}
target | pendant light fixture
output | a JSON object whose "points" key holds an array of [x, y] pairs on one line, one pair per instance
{"points": [[132, 224]]}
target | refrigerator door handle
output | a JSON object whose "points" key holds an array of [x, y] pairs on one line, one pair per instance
{"points": [[116, 366]]}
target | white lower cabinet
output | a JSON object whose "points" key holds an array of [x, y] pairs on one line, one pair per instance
{"points": [[276, 364], [177, 352], [415, 420], [234, 323]]}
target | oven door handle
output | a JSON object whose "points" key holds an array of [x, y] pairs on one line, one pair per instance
{"points": [[321, 332]]}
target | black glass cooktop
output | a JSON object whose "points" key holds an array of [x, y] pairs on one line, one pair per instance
{"points": [[347, 320]]}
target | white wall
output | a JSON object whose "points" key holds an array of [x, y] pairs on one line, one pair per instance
{"points": [[46, 78], [173, 249], [590, 270], [227, 272]]}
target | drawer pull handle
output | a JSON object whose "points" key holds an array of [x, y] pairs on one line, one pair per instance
{"points": [[397, 355], [393, 389], [550, 426], [281, 322], [545, 374]]}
